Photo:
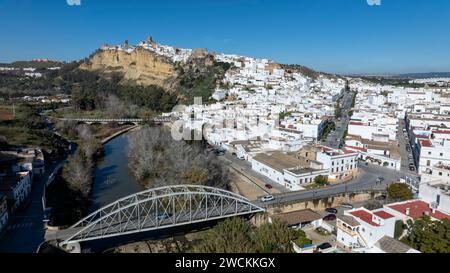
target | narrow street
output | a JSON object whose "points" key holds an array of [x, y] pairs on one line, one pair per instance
{"points": [[335, 138], [26, 228]]}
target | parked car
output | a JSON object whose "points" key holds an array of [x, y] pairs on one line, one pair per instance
{"points": [[331, 210], [347, 205], [219, 152], [324, 246], [267, 198], [268, 186], [329, 217]]}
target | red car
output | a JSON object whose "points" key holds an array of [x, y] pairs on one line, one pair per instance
{"points": [[269, 186], [330, 217]]}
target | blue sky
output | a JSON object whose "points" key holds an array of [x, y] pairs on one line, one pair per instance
{"points": [[338, 36]]}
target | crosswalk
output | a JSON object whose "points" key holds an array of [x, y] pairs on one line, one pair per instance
{"points": [[20, 226]]}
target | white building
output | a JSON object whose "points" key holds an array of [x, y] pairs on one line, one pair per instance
{"points": [[365, 231], [382, 153], [286, 170], [373, 131], [436, 193], [341, 163], [415, 209], [16, 187]]}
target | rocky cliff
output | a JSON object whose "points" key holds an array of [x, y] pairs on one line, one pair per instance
{"points": [[140, 66], [187, 73]]}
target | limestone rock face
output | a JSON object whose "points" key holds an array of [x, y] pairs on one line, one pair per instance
{"points": [[140, 66]]}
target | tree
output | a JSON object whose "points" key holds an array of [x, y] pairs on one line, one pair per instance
{"points": [[399, 229], [229, 236], [274, 237], [302, 240], [321, 180], [399, 192], [157, 159], [78, 173], [429, 236], [238, 236]]}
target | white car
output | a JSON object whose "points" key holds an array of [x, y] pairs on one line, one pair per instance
{"points": [[267, 198]]}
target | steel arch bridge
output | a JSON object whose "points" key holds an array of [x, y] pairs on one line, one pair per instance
{"points": [[158, 208]]}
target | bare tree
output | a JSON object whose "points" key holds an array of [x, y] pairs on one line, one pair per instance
{"points": [[77, 173], [156, 159], [115, 107]]}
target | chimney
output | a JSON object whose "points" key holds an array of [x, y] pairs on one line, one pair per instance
{"points": [[426, 213], [407, 211]]}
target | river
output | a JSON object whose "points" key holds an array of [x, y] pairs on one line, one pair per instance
{"points": [[112, 177]]}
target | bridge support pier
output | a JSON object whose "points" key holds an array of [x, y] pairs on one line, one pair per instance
{"points": [[71, 247]]}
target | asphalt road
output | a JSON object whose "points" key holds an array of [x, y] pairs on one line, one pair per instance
{"points": [[403, 142], [26, 228], [342, 124], [366, 180]]}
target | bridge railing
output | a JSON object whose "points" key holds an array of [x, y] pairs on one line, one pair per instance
{"points": [[160, 208]]}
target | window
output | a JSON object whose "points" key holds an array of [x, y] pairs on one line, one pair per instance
{"points": [[440, 173], [332, 163], [442, 154], [428, 162], [429, 153]]}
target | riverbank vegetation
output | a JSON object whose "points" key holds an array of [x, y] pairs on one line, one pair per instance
{"points": [[69, 194], [156, 159], [78, 172], [67, 206]]}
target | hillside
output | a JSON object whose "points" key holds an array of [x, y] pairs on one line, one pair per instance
{"points": [[33, 64], [184, 72], [139, 66]]}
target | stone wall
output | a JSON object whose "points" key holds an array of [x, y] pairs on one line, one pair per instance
{"points": [[327, 202]]}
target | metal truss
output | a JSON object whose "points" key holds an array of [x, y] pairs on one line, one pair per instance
{"points": [[159, 208]]}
